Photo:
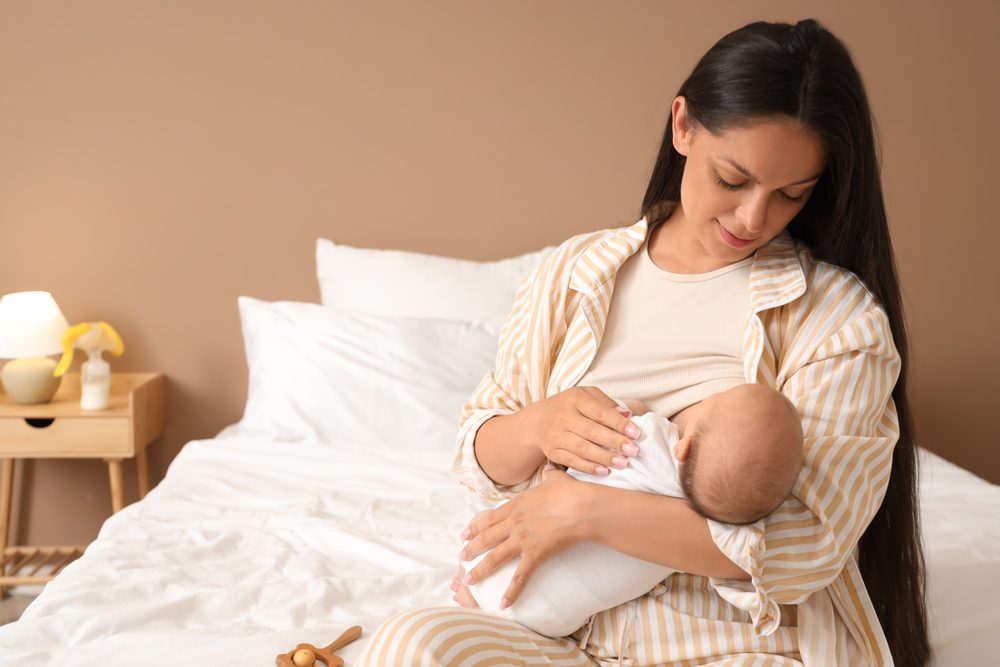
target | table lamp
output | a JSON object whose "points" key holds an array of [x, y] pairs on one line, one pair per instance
{"points": [[31, 328]]}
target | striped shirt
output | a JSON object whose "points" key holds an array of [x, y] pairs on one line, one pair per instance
{"points": [[815, 333]]}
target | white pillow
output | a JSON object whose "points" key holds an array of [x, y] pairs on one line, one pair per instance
{"points": [[408, 284], [320, 375]]}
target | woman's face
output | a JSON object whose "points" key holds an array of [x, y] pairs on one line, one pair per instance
{"points": [[741, 188]]}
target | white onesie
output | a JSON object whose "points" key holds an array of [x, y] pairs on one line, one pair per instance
{"points": [[589, 577]]}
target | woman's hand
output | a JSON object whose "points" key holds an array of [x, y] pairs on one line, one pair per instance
{"points": [[536, 525], [582, 428]]}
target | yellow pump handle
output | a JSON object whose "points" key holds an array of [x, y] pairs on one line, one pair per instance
{"points": [[117, 344], [69, 338]]}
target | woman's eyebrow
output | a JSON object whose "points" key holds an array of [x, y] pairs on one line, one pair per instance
{"points": [[746, 172]]}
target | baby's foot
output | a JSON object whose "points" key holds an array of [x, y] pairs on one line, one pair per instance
{"points": [[463, 596]]}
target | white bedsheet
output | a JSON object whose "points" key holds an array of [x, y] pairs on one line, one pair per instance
{"points": [[246, 549], [249, 547]]}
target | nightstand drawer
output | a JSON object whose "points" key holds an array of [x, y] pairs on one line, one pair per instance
{"points": [[66, 437]]}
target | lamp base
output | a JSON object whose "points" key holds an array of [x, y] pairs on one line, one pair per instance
{"points": [[30, 381]]}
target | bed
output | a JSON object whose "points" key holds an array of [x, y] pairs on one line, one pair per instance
{"points": [[330, 503]]}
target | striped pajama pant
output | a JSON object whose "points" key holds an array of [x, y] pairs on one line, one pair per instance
{"points": [[656, 629]]}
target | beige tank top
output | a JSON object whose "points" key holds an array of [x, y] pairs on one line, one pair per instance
{"points": [[672, 339]]}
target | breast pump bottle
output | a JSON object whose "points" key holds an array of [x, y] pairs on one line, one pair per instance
{"points": [[95, 374], [95, 382]]}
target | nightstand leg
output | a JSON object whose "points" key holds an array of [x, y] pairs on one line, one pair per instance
{"points": [[6, 493], [142, 472], [115, 473]]}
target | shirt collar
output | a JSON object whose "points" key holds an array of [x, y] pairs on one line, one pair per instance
{"points": [[602, 259], [776, 274]]}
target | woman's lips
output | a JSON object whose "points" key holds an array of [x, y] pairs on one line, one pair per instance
{"points": [[734, 241]]}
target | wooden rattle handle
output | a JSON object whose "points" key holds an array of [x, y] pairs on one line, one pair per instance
{"points": [[349, 635], [307, 654]]}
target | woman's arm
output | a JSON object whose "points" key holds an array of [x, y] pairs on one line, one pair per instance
{"points": [[547, 519], [492, 410], [580, 428], [503, 450], [621, 520]]}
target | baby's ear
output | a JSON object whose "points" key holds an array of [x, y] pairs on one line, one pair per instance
{"points": [[683, 448]]}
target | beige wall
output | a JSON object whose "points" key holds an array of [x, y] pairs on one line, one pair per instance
{"points": [[158, 159]]}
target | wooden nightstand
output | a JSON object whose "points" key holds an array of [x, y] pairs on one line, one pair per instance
{"points": [[60, 429]]}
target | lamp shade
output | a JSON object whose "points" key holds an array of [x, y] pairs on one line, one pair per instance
{"points": [[31, 325]]}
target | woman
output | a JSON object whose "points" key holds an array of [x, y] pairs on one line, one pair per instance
{"points": [[767, 174]]}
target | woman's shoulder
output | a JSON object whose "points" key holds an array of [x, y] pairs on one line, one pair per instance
{"points": [[837, 303], [827, 281], [576, 246], [604, 251]]}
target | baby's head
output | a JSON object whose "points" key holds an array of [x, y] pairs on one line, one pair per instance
{"points": [[740, 454]]}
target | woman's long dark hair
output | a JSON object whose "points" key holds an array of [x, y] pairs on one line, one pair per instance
{"points": [[803, 71]]}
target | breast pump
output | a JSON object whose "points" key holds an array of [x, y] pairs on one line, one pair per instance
{"points": [[95, 374]]}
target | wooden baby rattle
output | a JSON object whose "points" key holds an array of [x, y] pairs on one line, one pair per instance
{"points": [[306, 655]]}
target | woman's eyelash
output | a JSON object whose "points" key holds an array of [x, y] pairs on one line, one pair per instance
{"points": [[736, 186], [727, 185]]}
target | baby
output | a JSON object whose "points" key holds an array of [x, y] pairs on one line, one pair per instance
{"points": [[734, 457]]}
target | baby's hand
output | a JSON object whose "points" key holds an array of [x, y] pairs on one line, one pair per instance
{"points": [[637, 407]]}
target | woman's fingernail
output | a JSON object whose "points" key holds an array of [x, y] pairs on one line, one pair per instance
{"points": [[630, 450], [462, 556], [504, 603], [466, 534], [467, 580], [624, 412], [619, 462], [601, 470], [632, 431]]}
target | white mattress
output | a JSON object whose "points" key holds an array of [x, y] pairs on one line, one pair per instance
{"points": [[249, 547]]}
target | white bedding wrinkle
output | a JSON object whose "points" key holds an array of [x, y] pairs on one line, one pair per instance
{"points": [[249, 547]]}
